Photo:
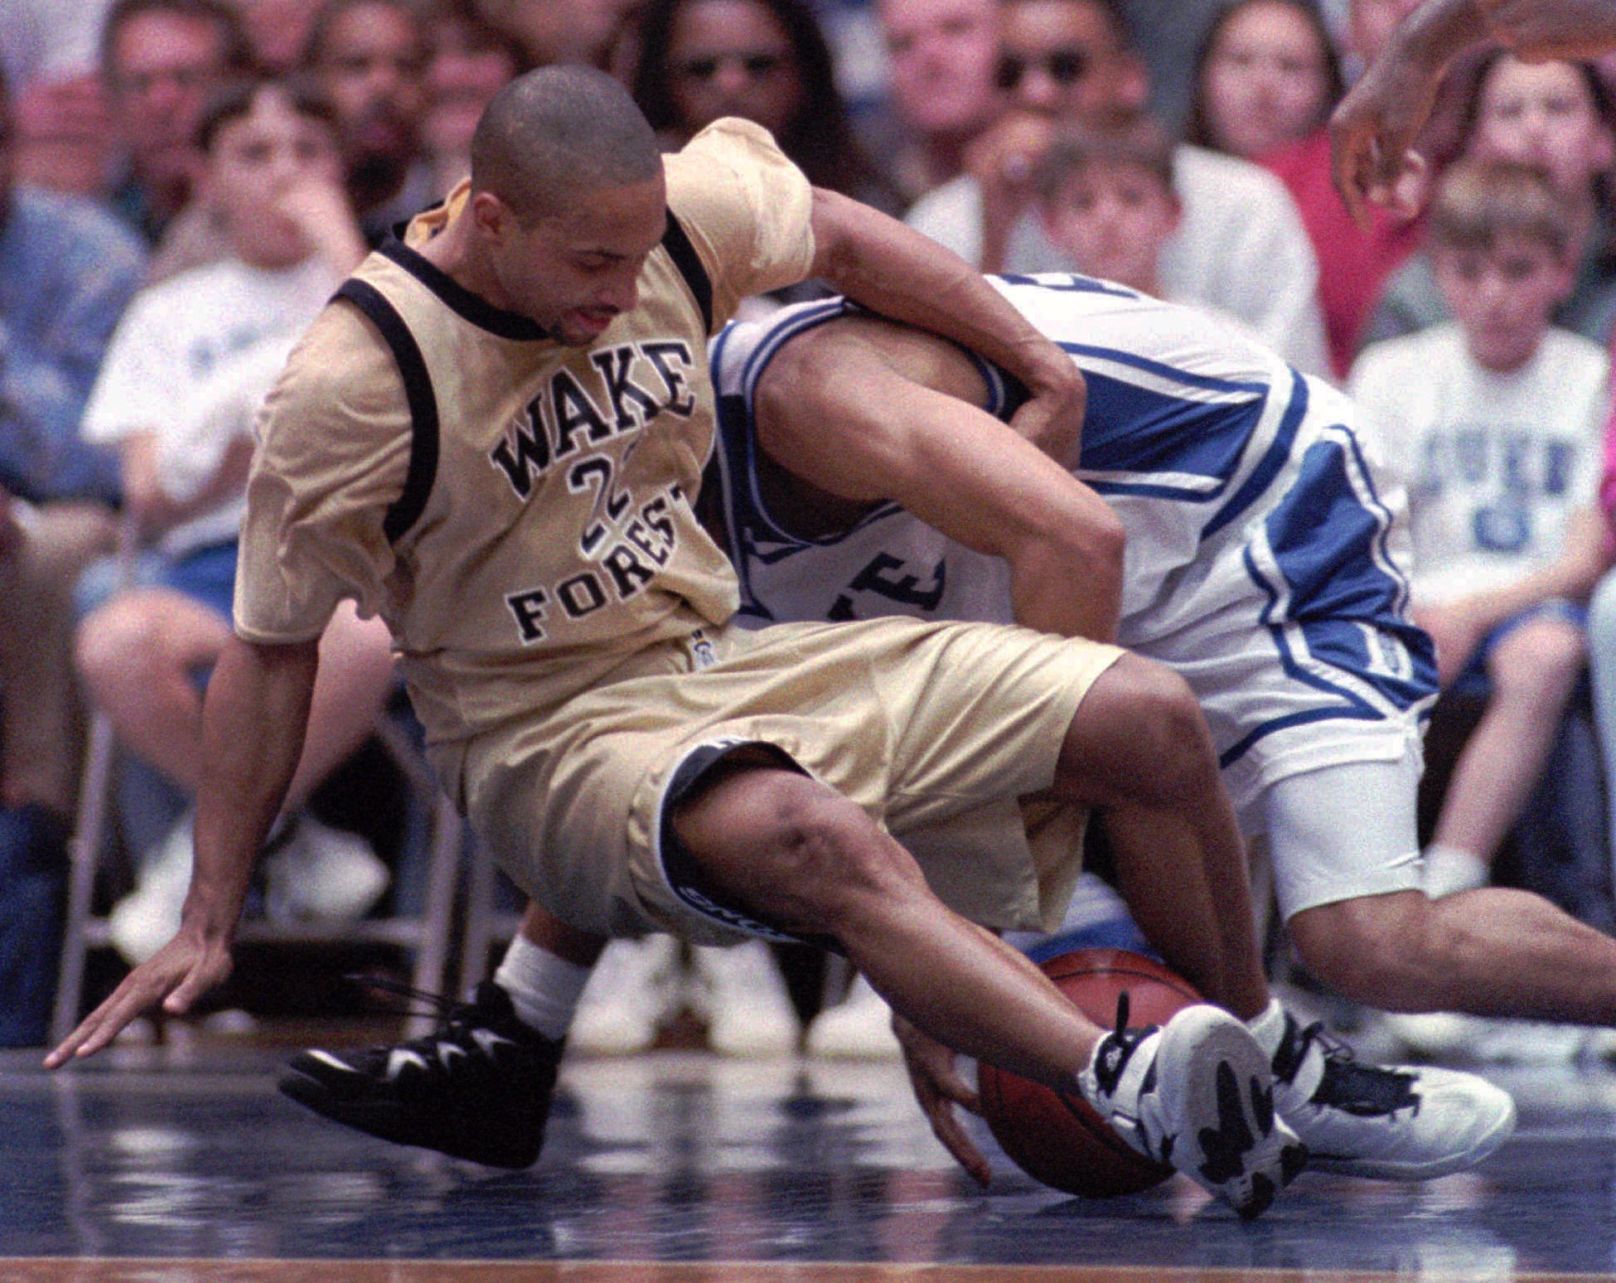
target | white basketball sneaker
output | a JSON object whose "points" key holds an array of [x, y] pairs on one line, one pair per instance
{"points": [[859, 1027], [742, 996], [633, 989], [1197, 1093], [1392, 1123]]}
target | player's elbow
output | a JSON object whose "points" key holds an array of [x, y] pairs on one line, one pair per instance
{"points": [[1084, 538]]}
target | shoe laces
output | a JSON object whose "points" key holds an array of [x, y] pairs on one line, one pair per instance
{"points": [[1118, 1047], [1363, 1090], [458, 1019]]}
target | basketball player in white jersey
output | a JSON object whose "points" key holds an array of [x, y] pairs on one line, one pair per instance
{"points": [[491, 439]]}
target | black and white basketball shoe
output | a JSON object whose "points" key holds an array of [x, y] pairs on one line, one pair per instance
{"points": [[479, 1087]]}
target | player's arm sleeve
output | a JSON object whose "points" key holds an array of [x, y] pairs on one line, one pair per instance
{"points": [[332, 457], [746, 208]]}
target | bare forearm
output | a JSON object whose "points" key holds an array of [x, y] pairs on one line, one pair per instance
{"points": [[1570, 577], [894, 270], [252, 734], [1439, 31]]}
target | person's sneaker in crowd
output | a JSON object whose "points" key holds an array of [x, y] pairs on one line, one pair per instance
{"points": [[632, 991], [146, 919], [742, 996], [315, 873], [1465, 1039], [478, 1088], [1392, 1123], [859, 1027], [1197, 1093]]}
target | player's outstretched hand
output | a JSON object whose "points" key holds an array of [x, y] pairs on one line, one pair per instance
{"points": [[938, 1087], [176, 976], [1372, 136]]}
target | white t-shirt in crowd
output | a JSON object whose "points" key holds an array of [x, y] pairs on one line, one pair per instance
{"points": [[1495, 463], [1240, 247], [214, 336]]}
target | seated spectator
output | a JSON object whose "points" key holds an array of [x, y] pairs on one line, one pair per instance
{"points": [[467, 63], [1106, 200], [1241, 246], [1558, 116], [48, 52], [589, 31], [66, 271], [941, 56], [764, 60], [369, 58], [277, 31], [1168, 34], [1266, 80], [161, 61], [1494, 420], [185, 370]]}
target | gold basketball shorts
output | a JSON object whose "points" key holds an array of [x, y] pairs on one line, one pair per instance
{"points": [[938, 731]]}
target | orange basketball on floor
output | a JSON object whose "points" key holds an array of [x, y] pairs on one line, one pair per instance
{"points": [[1055, 1137]]}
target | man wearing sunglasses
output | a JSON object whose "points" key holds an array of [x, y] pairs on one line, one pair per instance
{"points": [[1241, 247]]}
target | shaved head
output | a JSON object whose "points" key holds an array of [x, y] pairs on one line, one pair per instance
{"points": [[558, 133]]}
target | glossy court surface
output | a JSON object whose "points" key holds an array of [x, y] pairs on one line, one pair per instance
{"points": [[684, 1168]]}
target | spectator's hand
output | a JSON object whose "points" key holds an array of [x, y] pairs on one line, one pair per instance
{"points": [[324, 215], [176, 976], [1456, 633], [1372, 137], [1004, 161], [938, 1087]]}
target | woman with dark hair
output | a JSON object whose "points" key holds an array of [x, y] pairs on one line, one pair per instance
{"points": [[765, 60], [1266, 79], [1266, 75], [1559, 118]]}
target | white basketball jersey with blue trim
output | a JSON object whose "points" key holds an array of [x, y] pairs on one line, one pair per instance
{"points": [[1266, 546]]}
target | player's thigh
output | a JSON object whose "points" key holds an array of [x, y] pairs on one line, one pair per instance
{"points": [[1343, 832]]}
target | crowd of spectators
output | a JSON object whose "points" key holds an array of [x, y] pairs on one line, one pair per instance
{"points": [[182, 183]]}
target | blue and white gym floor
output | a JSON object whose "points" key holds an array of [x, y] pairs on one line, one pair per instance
{"points": [[681, 1167]]}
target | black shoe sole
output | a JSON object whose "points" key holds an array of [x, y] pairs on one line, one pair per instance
{"points": [[386, 1121]]}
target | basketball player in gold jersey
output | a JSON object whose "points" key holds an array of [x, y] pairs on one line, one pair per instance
{"points": [[492, 439]]}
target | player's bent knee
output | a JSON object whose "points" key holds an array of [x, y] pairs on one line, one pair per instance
{"points": [[793, 850], [1159, 739]]}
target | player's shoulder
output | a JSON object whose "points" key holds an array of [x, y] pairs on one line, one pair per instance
{"points": [[341, 363], [728, 149]]}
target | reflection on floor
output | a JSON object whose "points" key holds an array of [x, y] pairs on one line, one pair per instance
{"points": [[138, 1169]]}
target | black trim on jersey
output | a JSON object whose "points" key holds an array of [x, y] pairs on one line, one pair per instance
{"points": [[479, 311], [405, 511], [683, 253]]}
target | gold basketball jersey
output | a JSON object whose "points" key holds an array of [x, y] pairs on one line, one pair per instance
{"points": [[518, 511]]}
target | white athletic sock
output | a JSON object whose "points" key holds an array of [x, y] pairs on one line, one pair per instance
{"points": [[1268, 1027], [544, 987], [1449, 870]]}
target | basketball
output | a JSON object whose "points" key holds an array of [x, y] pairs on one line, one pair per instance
{"points": [[1055, 1137]]}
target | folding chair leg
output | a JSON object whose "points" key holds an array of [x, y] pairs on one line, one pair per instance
{"points": [[84, 853]]}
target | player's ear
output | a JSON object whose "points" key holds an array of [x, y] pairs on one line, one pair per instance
{"points": [[491, 215]]}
